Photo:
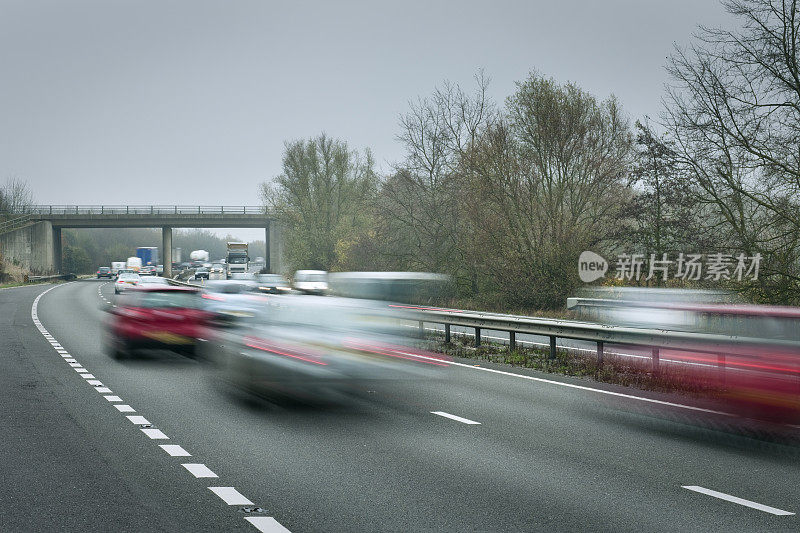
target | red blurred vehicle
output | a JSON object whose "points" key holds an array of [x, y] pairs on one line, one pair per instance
{"points": [[157, 317]]}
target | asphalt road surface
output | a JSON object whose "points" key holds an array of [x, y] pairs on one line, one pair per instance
{"points": [[477, 450]]}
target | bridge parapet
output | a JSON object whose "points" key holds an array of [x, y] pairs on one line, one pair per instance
{"points": [[145, 210]]}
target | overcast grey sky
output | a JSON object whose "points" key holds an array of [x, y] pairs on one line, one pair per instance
{"points": [[190, 101]]}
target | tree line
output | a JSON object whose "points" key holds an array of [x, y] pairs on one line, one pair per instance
{"points": [[504, 196]]}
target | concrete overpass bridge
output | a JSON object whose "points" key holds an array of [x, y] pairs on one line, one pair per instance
{"points": [[33, 238]]}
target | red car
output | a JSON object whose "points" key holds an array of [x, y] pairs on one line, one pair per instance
{"points": [[157, 317]]}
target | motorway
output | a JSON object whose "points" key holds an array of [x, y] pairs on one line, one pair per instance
{"points": [[477, 450]]}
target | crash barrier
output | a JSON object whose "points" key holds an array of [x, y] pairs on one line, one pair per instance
{"points": [[655, 339], [39, 279]]}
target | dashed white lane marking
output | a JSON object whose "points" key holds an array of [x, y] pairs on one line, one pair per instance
{"points": [[113, 398], [75, 363], [103, 390], [174, 450], [456, 418], [230, 495], [740, 501], [154, 433], [139, 420], [70, 360], [95, 382], [88, 376], [198, 470], [266, 524], [124, 408]]}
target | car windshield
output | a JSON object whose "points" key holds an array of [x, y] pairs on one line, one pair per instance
{"points": [[314, 278], [128, 276]]}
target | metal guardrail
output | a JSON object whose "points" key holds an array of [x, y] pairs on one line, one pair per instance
{"points": [[14, 223], [144, 210], [655, 339]]}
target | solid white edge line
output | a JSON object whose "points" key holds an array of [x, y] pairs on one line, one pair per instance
{"points": [[199, 470], [266, 524], [740, 501], [578, 387], [230, 495], [456, 418], [175, 450]]}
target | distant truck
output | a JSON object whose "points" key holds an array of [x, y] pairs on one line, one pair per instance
{"points": [[116, 266], [237, 258], [134, 263], [148, 255], [199, 256]]}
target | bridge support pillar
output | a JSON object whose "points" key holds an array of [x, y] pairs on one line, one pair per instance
{"points": [[166, 250], [57, 252], [274, 247]]}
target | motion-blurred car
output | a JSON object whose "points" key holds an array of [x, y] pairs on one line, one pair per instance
{"points": [[153, 281], [201, 273], [126, 280], [156, 317], [315, 348], [147, 270], [310, 281], [272, 283], [232, 300], [104, 272]]}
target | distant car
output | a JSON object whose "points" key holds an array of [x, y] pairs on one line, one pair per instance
{"points": [[272, 283], [311, 281], [147, 270], [123, 271], [159, 269], [125, 281], [104, 272], [157, 317], [201, 273]]}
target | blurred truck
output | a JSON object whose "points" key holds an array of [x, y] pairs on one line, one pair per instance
{"points": [[148, 255], [237, 258], [134, 263]]}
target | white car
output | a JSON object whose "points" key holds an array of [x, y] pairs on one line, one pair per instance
{"points": [[126, 280], [310, 281]]}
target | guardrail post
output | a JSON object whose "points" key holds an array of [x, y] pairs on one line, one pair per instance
{"points": [[599, 353], [127, 209], [447, 333], [421, 328], [552, 347], [655, 360], [512, 340], [477, 337]]}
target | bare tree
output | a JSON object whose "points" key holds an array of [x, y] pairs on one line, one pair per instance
{"points": [[15, 196], [547, 183], [734, 112], [420, 202]]}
